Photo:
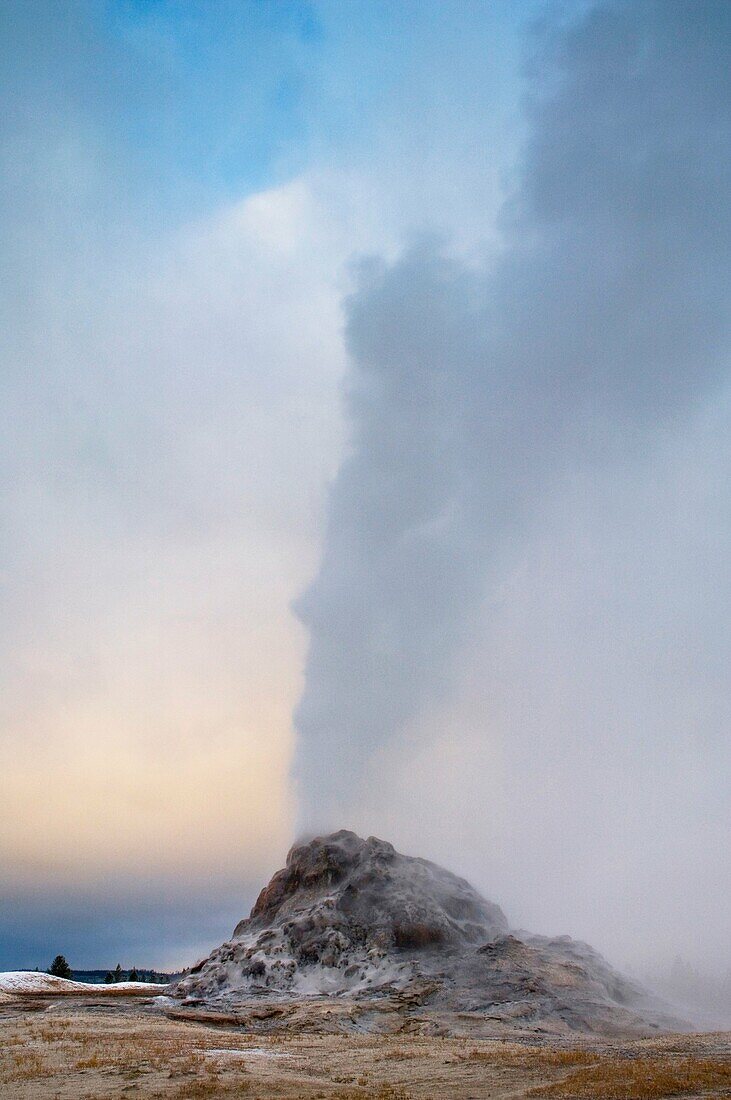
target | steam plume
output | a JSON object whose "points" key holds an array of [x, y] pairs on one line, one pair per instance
{"points": [[604, 319]]}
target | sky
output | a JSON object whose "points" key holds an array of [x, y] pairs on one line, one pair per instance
{"points": [[364, 454]]}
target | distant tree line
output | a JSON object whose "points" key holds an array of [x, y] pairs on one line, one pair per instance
{"points": [[61, 969], [133, 975]]}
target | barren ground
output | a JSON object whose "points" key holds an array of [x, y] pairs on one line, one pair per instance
{"points": [[82, 1048]]}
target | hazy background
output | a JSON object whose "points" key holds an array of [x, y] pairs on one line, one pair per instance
{"points": [[394, 334]]}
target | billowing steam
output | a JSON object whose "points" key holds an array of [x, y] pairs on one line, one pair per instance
{"points": [[603, 320]]}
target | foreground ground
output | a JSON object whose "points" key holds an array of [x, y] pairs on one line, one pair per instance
{"points": [[84, 1047]]}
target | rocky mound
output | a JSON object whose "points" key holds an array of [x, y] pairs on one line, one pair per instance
{"points": [[354, 919]]}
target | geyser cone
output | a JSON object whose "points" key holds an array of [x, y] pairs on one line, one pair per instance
{"points": [[357, 922]]}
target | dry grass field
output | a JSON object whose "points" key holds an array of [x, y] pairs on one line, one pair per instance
{"points": [[86, 1050]]}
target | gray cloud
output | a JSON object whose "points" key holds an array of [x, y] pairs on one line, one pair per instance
{"points": [[473, 394], [161, 924]]}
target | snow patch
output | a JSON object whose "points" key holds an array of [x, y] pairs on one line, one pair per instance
{"points": [[32, 981]]}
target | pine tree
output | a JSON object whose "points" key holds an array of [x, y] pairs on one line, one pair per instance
{"points": [[60, 968], [133, 975], [109, 977], [117, 973]]}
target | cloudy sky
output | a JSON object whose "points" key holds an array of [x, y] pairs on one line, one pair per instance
{"points": [[364, 461]]}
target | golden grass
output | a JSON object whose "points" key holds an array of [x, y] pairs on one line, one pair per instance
{"points": [[52, 1048], [23, 1065], [538, 1057], [156, 1059], [381, 1092], [642, 1079], [201, 1089]]}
